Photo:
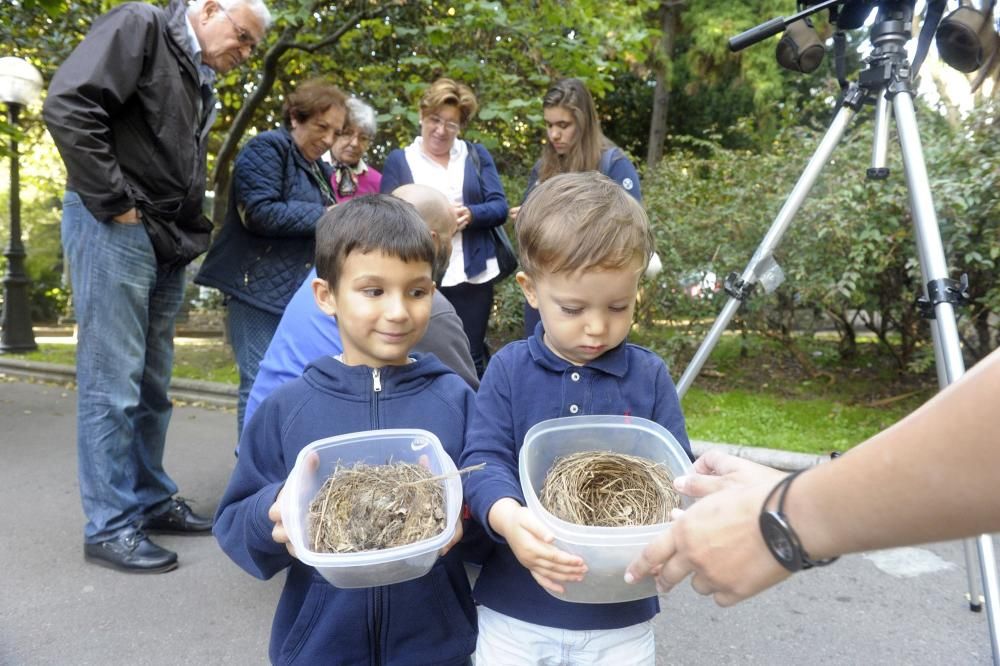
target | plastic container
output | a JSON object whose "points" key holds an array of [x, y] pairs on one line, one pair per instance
{"points": [[607, 551], [376, 447]]}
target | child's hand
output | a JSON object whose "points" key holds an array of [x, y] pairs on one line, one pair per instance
{"points": [[513, 213], [278, 532], [455, 539], [531, 544]]}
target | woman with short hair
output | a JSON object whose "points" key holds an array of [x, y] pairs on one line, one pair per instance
{"points": [[352, 176], [465, 173], [280, 188]]}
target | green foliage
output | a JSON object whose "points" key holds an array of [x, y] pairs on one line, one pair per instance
{"points": [[508, 54], [849, 255]]}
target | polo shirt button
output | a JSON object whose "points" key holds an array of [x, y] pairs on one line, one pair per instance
{"points": [[573, 409], [575, 376]]}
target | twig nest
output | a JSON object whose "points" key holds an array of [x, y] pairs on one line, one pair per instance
{"points": [[606, 489], [373, 507]]}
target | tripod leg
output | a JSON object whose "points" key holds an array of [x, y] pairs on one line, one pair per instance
{"points": [[944, 327], [878, 169], [771, 240]]}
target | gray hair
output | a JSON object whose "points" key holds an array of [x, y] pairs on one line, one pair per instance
{"points": [[361, 115], [255, 6]]}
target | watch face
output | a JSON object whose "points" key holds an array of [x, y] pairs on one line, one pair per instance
{"points": [[775, 533]]}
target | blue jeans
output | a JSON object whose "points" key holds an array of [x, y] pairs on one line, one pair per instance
{"points": [[125, 308], [250, 332]]}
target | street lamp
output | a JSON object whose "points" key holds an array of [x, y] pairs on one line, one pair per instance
{"points": [[20, 84]]}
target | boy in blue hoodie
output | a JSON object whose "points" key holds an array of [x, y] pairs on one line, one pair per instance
{"points": [[374, 261], [583, 242]]}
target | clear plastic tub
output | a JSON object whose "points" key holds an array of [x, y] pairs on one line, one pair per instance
{"points": [[606, 550], [376, 447]]}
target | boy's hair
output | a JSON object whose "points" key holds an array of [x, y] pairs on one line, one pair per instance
{"points": [[582, 220], [376, 222]]}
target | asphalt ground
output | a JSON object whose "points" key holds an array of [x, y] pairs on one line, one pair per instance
{"points": [[904, 606]]}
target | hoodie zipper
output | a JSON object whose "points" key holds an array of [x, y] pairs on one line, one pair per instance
{"points": [[376, 389], [377, 647], [377, 620]]}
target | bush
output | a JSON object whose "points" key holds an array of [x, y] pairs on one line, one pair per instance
{"points": [[849, 254]]}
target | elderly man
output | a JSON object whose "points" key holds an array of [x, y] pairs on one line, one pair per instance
{"points": [[130, 111]]}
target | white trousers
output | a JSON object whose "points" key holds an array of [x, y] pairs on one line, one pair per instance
{"points": [[504, 641]]}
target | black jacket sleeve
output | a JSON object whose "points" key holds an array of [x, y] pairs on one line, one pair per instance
{"points": [[89, 89]]}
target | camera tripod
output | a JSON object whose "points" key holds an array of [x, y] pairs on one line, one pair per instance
{"points": [[886, 81]]}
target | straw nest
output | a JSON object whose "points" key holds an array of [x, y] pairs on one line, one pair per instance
{"points": [[605, 489], [373, 507]]}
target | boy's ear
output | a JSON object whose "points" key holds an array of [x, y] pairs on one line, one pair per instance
{"points": [[324, 297], [527, 285]]}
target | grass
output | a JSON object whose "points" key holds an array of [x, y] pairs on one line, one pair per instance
{"points": [[206, 359], [817, 425], [751, 391], [756, 392]]}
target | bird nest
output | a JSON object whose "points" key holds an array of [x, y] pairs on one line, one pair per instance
{"points": [[604, 489], [373, 507]]}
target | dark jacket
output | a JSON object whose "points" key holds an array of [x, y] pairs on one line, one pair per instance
{"points": [[130, 116], [482, 194], [266, 246], [526, 384], [429, 620]]}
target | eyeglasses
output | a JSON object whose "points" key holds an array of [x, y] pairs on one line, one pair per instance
{"points": [[437, 122], [350, 135], [244, 36]]}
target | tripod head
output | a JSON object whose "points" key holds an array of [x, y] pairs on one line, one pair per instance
{"points": [[966, 40], [845, 14]]}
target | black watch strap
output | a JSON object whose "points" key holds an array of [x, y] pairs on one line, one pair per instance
{"points": [[778, 534]]}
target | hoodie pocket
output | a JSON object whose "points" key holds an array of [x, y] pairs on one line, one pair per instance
{"points": [[306, 621], [454, 626]]}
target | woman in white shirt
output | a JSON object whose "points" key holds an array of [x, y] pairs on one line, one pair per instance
{"points": [[465, 173]]}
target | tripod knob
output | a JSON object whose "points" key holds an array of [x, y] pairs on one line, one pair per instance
{"points": [[880, 173]]}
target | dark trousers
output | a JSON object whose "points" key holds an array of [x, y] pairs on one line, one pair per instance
{"points": [[473, 303]]}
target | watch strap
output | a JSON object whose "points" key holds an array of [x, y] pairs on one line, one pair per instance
{"points": [[797, 559]]}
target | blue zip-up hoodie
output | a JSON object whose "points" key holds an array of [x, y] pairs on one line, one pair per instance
{"points": [[430, 620], [524, 384]]}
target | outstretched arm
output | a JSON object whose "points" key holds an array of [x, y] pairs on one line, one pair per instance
{"points": [[930, 477]]}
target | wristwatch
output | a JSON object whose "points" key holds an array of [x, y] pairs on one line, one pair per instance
{"points": [[779, 536]]}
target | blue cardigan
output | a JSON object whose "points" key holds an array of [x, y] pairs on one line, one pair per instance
{"points": [[482, 193], [430, 620], [262, 256], [526, 383]]}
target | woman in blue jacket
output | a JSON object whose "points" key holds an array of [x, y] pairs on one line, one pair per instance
{"points": [[465, 173], [575, 143], [280, 189]]}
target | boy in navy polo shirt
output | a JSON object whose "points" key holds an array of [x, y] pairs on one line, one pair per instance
{"points": [[374, 260], [583, 243]]}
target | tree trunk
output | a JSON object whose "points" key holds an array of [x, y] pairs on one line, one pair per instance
{"points": [[221, 173], [667, 15]]}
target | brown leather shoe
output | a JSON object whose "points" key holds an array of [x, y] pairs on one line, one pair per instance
{"points": [[131, 551], [178, 519]]}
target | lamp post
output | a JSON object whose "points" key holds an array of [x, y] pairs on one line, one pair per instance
{"points": [[20, 84]]}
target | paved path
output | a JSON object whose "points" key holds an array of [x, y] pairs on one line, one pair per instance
{"points": [[906, 608]]}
